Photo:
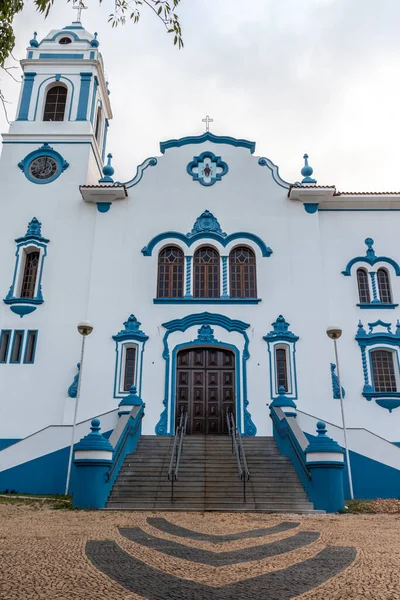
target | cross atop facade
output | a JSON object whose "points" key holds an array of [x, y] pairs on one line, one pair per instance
{"points": [[207, 121], [79, 6]]}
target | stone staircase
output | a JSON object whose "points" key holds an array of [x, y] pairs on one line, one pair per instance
{"points": [[208, 477]]}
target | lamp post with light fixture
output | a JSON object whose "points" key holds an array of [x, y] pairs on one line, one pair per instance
{"points": [[85, 328], [334, 333]]}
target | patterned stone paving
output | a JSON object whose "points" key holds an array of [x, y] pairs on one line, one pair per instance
{"points": [[82, 555], [168, 527], [219, 559]]}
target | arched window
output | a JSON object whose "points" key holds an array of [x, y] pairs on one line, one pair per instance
{"points": [[383, 371], [98, 123], [170, 273], [65, 40], [281, 369], [30, 274], [56, 100], [385, 293], [242, 267], [206, 273], [363, 286]]}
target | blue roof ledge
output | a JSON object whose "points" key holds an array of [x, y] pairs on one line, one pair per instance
{"points": [[207, 137]]}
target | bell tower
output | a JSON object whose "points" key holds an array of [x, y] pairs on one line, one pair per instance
{"points": [[63, 111]]}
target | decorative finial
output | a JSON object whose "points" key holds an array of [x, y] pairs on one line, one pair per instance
{"points": [[207, 120], [369, 243], [107, 88], [307, 171], [95, 425], [108, 171], [321, 428], [281, 390], [95, 43], [34, 43]]}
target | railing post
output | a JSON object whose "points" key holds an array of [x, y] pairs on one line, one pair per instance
{"points": [[92, 460]]}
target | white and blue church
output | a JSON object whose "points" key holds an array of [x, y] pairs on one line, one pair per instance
{"points": [[210, 282]]}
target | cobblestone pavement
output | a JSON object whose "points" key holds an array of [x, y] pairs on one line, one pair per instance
{"points": [[70, 555]]}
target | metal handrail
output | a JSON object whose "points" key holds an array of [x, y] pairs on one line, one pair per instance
{"points": [[238, 450], [177, 451]]}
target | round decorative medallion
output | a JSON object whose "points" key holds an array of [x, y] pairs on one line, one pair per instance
{"points": [[43, 168], [43, 165]]}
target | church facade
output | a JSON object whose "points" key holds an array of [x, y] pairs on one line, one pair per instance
{"points": [[209, 279]]}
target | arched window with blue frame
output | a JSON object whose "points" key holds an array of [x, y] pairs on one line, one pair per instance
{"points": [[170, 273], [242, 270], [363, 286], [55, 103], [206, 273], [385, 293]]}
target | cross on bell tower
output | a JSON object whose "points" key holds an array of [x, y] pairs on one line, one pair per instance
{"points": [[79, 6], [207, 120]]}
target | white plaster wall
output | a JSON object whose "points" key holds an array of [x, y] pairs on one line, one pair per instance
{"points": [[95, 269]]}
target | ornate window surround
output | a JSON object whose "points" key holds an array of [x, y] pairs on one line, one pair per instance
{"points": [[206, 229], [32, 239], [383, 339], [205, 337], [129, 337], [281, 337], [371, 263]]}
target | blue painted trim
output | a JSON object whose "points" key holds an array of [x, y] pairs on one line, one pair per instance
{"points": [[17, 362], [225, 295], [26, 96], [22, 310], [280, 335], [61, 56], [94, 94], [192, 300], [266, 162], [149, 162], [105, 133], [372, 275], [9, 331], [34, 346], [371, 259], [44, 150], [60, 34], [84, 97], [131, 336], [6, 442], [30, 55], [188, 293], [205, 318], [207, 137], [358, 209], [92, 55], [54, 78], [103, 207], [100, 166], [188, 240], [311, 207], [219, 163], [376, 305]]}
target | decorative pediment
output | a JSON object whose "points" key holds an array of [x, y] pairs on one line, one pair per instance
{"points": [[207, 168], [131, 331], [206, 222], [371, 259]]}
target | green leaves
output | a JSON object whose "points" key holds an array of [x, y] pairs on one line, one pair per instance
{"points": [[165, 10], [8, 10]]}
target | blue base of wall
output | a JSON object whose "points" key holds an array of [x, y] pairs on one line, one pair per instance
{"points": [[5, 442], [371, 479], [44, 475]]}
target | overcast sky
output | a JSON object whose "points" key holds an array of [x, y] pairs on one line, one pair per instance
{"points": [[316, 76]]}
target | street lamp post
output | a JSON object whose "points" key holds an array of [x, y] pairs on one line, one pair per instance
{"points": [[85, 328], [334, 334]]}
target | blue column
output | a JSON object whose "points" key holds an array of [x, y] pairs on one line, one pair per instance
{"points": [[374, 289], [26, 96], [224, 277], [84, 97], [188, 293]]}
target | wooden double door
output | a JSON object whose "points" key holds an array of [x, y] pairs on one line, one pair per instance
{"points": [[205, 389]]}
